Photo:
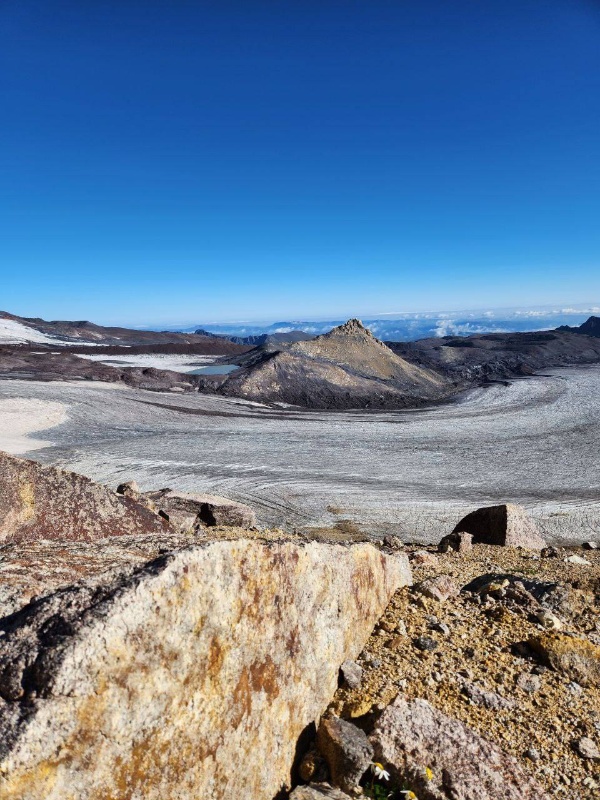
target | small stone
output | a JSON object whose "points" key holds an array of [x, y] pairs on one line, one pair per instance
{"points": [[578, 560], [425, 643], [396, 642], [574, 688], [128, 489], [587, 748], [532, 754], [347, 751], [548, 620], [313, 767], [550, 552], [529, 683], [440, 588], [401, 628], [387, 625], [351, 674], [440, 627], [424, 558], [481, 697], [460, 542], [393, 542], [318, 791]]}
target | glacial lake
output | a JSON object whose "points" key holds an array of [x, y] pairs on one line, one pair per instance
{"points": [[214, 369]]}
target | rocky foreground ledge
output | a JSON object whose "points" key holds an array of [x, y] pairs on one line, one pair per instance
{"points": [[195, 674]]}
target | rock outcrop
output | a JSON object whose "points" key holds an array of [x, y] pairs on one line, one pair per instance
{"points": [[192, 510], [440, 757], [193, 676], [507, 525], [38, 502]]}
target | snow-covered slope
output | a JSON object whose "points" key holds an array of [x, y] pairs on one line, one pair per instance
{"points": [[13, 332]]}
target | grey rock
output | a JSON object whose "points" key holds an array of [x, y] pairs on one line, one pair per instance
{"points": [[411, 736], [318, 791], [393, 542], [507, 525], [582, 562], [587, 748], [352, 674], [529, 683], [481, 697], [425, 643], [347, 751]]}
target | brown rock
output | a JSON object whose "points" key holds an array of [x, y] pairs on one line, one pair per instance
{"points": [[313, 767], [507, 525], [578, 659], [190, 677], [347, 751], [440, 588], [38, 502], [458, 541], [411, 737], [189, 511], [424, 558]]}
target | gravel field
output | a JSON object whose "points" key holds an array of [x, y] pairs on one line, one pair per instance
{"points": [[535, 441]]}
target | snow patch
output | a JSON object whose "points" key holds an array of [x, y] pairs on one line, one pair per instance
{"points": [[13, 332]]}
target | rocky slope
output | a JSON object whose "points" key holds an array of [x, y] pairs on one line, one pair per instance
{"points": [[346, 368], [162, 665], [58, 332], [494, 658]]}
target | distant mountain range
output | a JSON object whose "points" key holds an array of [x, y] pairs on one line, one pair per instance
{"points": [[410, 326]]}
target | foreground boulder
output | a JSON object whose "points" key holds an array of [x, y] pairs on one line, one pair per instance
{"points": [[439, 757], [190, 511], [38, 502], [193, 676], [507, 525]]}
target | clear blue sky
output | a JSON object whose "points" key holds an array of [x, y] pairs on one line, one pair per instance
{"points": [[164, 160]]}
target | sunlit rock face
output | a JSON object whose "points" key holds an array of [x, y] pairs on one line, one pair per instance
{"points": [[192, 677]]}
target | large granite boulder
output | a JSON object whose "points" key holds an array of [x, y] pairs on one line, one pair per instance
{"points": [[38, 502], [192, 676], [440, 758], [508, 525]]}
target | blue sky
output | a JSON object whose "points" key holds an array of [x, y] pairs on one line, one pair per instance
{"points": [[164, 161]]}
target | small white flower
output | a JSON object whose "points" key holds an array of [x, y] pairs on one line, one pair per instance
{"points": [[380, 772]]}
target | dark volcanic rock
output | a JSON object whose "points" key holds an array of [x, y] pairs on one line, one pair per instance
{"points": [[347, 751], [38, 502]]}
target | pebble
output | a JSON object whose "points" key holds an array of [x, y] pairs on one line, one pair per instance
{"points": [[529, 683], [425, 643], [578, 560], [587, 748], [532, 754], [548, 620]]}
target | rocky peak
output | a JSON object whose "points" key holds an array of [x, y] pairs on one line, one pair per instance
{"points": [[352, 328]]}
